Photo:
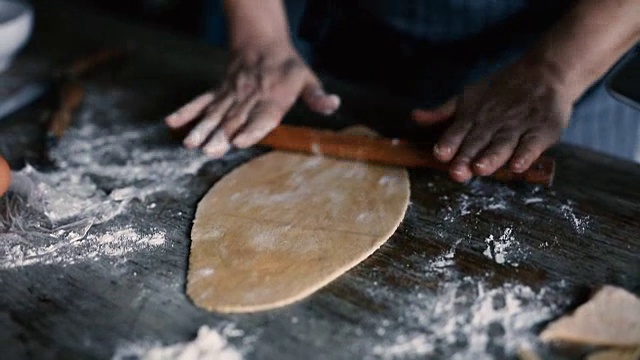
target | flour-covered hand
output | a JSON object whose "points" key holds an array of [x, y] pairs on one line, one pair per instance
{"points": [[260, 86]]}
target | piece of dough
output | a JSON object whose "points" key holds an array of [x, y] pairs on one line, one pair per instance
{"points": [[610, 318], [616, 354], [283, 225]]}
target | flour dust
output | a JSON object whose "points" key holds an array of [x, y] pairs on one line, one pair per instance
{"points": [[503, 247], [103, 168], [473, 316], [209, 344], [465, 313]]}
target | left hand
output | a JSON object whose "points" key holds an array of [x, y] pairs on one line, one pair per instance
{"points": [[512, 116]]}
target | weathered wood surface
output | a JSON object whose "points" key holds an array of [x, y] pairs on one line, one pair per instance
{"points": [[88, 309]]}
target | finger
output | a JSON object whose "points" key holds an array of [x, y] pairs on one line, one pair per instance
{"points": [[497, 153], [318, 100], [264, 118], [190, 111], [218, 145], [209, 122], [473, 143], [237, 115], [446, 148], [431, 116], [531, 146]]}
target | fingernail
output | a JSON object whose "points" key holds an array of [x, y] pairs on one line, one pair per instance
{"points": [[442, 150], [242, 140], [331, 105], [329, 111], [480, 165], [193, 140], [518, 169], [170, 118], [189, 143], [218, 146]]}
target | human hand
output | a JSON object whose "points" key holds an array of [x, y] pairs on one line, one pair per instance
{"points": [[260, 86], [510, 117]]}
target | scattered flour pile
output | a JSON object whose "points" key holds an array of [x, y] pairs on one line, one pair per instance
{"points": [[208, 345], [66, 248], [473, 313], [51, 217], [485, 196], [465, 312], [505, 249]]}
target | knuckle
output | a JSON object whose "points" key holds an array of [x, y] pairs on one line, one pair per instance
{"points": [[502, 138], [452, 137], [532, 137], [478, 138]]}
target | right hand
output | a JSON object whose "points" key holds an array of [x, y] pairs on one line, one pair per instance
{"points": [[260, 86]]}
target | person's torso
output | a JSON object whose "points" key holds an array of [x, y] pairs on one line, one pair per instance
{"points": [[451, 20]]}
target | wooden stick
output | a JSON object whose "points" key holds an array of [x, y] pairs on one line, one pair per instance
{"points": [[386, 151], [71, 93], [71, 96], [93, 61]]}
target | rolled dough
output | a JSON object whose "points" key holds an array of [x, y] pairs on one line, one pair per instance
{"points": [[610, 318], [616, 354], [284, 225]]}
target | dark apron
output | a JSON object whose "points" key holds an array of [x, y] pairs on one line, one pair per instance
{"points": [[350, 42]]}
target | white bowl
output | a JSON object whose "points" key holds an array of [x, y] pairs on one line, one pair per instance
{"points": [[16, 23]]}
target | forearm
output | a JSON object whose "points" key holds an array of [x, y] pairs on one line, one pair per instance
{"points": [[586, 42], [256, 23]]}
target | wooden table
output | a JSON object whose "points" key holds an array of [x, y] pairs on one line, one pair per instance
{"points": [[424, 292]]}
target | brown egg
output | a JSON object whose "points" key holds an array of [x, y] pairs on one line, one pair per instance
{"points": [[5, 176]]}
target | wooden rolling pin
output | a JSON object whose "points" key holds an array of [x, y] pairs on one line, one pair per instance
{"points": [[386, 151]]}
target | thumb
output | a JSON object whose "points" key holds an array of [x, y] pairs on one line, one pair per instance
{"points": [[433, 116], [318, 100]]}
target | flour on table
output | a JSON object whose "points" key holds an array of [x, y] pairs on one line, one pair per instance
{"points": [[466, 311], [69, 247], [481, 196], [489, 196], [444, 261], [505, 249], [579, 223], [102, 169], [209, 344]]}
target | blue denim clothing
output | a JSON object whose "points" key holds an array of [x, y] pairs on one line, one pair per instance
{"points": [[602, 123]]}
